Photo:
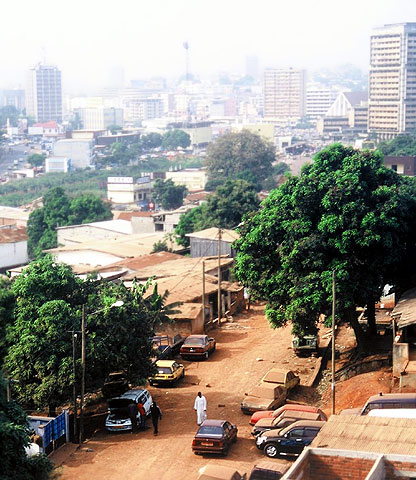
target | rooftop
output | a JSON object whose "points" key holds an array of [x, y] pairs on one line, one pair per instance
{"points": [[404, 313], [12, 234], [370, 434], [118, 226], [212, 234]]}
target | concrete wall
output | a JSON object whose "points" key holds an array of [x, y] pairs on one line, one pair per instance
{"points": [[206, 248], [142, 225], [13, 254], [400, 358]]}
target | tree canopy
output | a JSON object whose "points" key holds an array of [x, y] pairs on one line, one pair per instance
{"points": [[344, 213], [244, 155], [173, 139], [48, 300], [225, 209], [59, 210], [400, 146], [168, 194], [36, 159], [14, 437]]}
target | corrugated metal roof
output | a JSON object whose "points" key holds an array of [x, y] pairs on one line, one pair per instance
{"points": [[404, 313], [13, 234], [370, 434], [212, 234]]}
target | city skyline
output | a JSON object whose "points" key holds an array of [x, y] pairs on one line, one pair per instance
{"points": [[87, 42]]}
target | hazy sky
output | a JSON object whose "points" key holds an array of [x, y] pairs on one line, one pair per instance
{"points": [[85, 38]]}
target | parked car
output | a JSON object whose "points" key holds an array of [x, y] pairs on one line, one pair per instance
{"points": [[220, 472], [264, 396], [118, 414], [290, 440], [267, 470], [168, 371], [288, 406], [384, 400], [166, 347], [305, 344], [115, 384], [197, 346], [214, 436], [283, 420], [285, 378]]}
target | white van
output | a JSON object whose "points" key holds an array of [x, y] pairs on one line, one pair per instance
{"points": [[393, 412]]}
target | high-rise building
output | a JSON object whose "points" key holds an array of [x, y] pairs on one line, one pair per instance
{"points": [[15, 98], [392, 82], [44, 93], [284, 94], [318, 100]]}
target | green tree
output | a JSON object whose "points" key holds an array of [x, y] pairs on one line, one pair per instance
{"points": [[151, 140], [114, 129], [7, 304], [243, 155], [36, 159], [88, 208], [173, 139], [14, 437], [400, 146], [9, 112], [57, 211], [168, 194], [226, 208], [344, 213]]}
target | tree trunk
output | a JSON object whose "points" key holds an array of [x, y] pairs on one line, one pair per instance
{"points": [[371, 317], [52, 411], [351, 316]]}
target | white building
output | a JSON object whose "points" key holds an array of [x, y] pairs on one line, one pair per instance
{"points": [[318, 101], [57, 164], [13, 246], [192, 178], [79, 151], [100, 118], [44, 93], [392, 81], [139, 109]]}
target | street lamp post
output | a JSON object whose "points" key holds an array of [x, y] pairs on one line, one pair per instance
{"points": [[118, 303]]}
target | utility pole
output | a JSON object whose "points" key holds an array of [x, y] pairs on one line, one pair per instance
{"points": [[74, 388], [333, 343], [203, 292], [81, 419], [219, 275]]}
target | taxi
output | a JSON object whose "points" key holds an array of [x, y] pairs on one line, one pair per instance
{"points": [[168, 371]]}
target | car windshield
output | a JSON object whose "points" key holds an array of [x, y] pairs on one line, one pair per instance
{"points": [[164, 370], [194, 341], [275, 377], [210, 431]]}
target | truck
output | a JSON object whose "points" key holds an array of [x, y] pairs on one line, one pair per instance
{"points": [[166, 347]]}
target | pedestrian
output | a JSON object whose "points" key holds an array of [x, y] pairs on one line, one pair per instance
{"points": [[142, 415], [247, 298], [156, 413], [132, 408], [200, 405]]}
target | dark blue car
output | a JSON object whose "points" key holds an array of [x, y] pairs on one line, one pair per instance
{"points": [[290, 440]]}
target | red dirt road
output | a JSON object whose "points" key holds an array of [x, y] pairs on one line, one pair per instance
{"points": [[231, 371]]}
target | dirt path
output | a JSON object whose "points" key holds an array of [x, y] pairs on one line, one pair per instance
{"points": [[231, 371]]}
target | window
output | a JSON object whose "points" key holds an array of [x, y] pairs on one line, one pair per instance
{"points": [[297, 432]]}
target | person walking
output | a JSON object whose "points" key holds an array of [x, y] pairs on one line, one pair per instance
{"points": [[156, 413], [200, 405], [247, 298]]}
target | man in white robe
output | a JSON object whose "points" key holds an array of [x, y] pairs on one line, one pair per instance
{"points": [[200, 406]]}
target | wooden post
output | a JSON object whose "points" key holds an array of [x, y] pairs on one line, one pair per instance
{"points": [[81, 418], [333, 343], [203, 292], [219, 275], [74, 387]]}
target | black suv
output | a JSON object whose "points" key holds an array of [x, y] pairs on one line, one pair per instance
{"points": [[290, 440]]}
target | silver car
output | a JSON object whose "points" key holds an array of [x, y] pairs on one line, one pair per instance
{"points": [[118, 419]]}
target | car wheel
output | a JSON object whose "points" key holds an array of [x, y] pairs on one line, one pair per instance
{"points": [[235, 439], [206, 355], [225, 452], [271, 450]]}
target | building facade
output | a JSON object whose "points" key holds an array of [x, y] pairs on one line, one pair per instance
{"points": [[284, 94], [392, 81], [100, 118], [318, 101], [44, 93]]}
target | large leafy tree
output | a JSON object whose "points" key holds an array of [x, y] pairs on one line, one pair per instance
{"points": [[224, 209], [244, 155], [59, 210], [14, 437], [344, 213], [173, 139], [48, 307], [168, 194], [36, 159]]}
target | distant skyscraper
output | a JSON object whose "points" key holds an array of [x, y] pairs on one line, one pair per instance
{"points": [[44, 93], [392, 82], [284, 94], [252, 66]]}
